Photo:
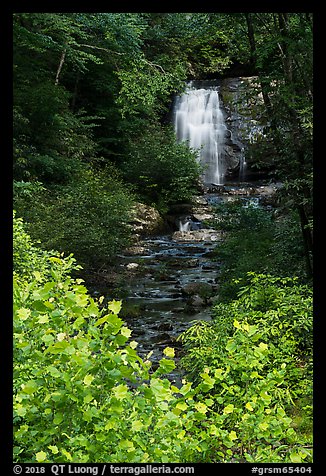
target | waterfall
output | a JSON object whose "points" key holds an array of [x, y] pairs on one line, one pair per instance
{"points": [[184, 225], [199, 120]]}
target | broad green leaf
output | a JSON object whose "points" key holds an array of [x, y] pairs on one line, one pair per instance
{"points": [[20, 410], [233, 435], [236, 324], [115, 306], [166, 366], [295, 457], [115, 323], [219, 374], [58, 418], [169, 351], [88, 379], [88, 398], [54, 259], [66, 454], [263, 426], [110, 424], [53, 371], [263, 346], [30, 387], [229, 408], [41, 456], [60, 347], [231, 345], [126, 445], [61, 336], [43, 319], [182, 406], [102, 320], [120, 392], [24, 313], [201, 407], [125, 331], [54, 449], [137, 425]]}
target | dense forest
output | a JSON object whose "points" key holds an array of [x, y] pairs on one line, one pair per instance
{"points": [[93, 143]]}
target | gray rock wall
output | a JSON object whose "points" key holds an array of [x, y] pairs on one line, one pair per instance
{"points": [[244, 117]]}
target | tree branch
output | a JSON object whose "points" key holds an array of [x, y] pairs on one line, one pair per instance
{"points": [[103, 49]]}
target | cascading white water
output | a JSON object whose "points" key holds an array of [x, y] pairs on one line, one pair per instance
{"points": [[184, 225], [199, 120]]}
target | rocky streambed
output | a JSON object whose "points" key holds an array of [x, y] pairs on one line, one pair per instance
{"points": [[168, 280]]}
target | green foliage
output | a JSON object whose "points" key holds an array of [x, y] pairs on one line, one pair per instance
{"points": [[257, 357], [73, 357], [162, 170], [50, 142], [88, 218], [257, 240], [146, 87], [27, 258]]}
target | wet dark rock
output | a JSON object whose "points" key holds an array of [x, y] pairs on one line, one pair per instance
{"points": [[161, 337], [178, 310], [166, 326], [136, 250], [209, 267], [201, 289], [138, 332], [189, 309], [197, 301]]}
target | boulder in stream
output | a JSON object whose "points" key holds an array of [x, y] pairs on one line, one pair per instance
{"points": [[205, 234], [146, 220]]}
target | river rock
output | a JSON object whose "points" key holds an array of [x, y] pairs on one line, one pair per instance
{"points": [[135, 250], [146, 220], [205, 234], [132, 266], [197, 301], [200, 289], [165, 326]]}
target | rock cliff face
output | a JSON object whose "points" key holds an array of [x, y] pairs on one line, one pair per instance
{"points": [[245, 120]]}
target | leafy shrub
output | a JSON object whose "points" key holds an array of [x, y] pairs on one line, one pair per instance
{"points": [[162, 171], [88, 218], [50, 140], [29, 261], [279, 307], [259, 351], [82, 393], [256, 241]]}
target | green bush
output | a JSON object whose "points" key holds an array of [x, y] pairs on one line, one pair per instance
{"points": [[29, 261], [259, 350], [162, 171], [256, 241], [82, 393], [88, 218], [280, 307]]}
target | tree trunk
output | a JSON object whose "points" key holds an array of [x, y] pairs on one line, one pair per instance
{"points": [[62, 60], [74, 97], [253, 61], [307, 240], [287, 58]]}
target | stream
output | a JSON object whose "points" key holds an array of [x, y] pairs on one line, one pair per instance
{"points": [[173, 278]]}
